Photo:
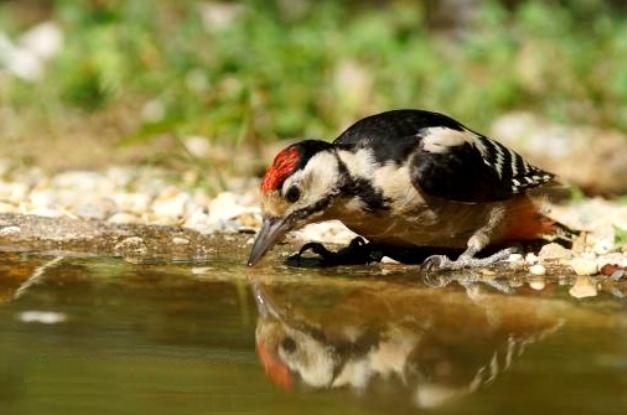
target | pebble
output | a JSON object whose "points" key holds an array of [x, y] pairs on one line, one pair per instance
{"points": [[147, 195], [180, 241], [584, 287], [554, 252], [537, 269], [618, 275], [42, 317], [603, 246], [92, 211], [13, 192], [42, 198], [583, 266], [46, 212], [132, 245], [171, 203], [123, 217], [516, 262], [9, 231], [83, 181], [531, 258], [537, 284], [137, 203], [201, 270]]}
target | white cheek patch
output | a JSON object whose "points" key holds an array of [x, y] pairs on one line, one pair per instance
{"points": [[440, 139], [319, 176]]}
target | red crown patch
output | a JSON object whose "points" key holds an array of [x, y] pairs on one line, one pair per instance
{"points": [[283, 165]]}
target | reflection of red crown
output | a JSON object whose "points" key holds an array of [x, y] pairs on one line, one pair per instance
{"points": [[276, 370], [282, 166]]}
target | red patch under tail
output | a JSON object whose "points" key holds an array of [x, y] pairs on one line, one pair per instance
{"points": [[525, 222]]}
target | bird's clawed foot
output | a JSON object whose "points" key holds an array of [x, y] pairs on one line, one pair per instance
{"points": [[443, 263], [356, 253]]}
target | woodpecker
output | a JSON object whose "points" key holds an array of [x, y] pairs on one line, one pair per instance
{"points": [[406, 179]]}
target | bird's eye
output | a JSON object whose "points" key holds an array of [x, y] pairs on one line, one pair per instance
{"points": [[293, 194], [288, 345]]}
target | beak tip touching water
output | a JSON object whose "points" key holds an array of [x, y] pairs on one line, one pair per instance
{"points": [[271, 230]]}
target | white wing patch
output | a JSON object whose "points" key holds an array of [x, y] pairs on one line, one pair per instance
{"points": [[440, 139]]}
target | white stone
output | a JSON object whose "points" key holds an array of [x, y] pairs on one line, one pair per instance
{"points": [[91, 211], [42, 198], [138, 203], [42, 317], [18, 61], [133, 244], [228, 205], [120, 177], [43, 40], [219, 15], [83, 181], [180, 241], [531, 258], [171, 204], [201, 270], [46, 212], [554, 252], [13, 192], [603, 246], [198, 146], [516, 261], [537, 269], [199, 221], [537, 284], [122, 217], [584, 287], [153, 111], [9, 231], [326, 232], [583, 266]]}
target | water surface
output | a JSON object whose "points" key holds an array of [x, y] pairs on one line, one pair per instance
{"points": [[106, 336]]}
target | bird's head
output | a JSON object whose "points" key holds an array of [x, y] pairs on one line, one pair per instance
{"points": [[299, 186]]}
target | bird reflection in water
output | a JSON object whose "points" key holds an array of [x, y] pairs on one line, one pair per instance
{"points": [[390, 340]]}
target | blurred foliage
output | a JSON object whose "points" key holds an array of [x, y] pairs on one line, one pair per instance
{"points": [[261, 70]]}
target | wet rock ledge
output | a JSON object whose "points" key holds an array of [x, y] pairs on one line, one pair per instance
{"points": [[20, 232]]}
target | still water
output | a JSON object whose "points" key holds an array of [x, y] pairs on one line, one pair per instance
{"points": [[105, 336]]}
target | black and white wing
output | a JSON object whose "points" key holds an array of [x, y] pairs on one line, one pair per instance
{"points": [[447, 159], [465, 166]]}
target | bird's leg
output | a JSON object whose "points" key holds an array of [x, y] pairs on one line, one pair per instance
{"points": [[475, 244]]}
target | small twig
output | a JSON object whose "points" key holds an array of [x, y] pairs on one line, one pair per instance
{"points": [[36, 276]]}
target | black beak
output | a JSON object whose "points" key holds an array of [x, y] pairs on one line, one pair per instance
{"points": [[271, 230]]}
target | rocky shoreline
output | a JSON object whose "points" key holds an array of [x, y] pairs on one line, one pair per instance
{"points": [[138, 212]]}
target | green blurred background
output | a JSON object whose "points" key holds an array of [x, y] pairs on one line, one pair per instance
{"points": [[145, 74]]}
